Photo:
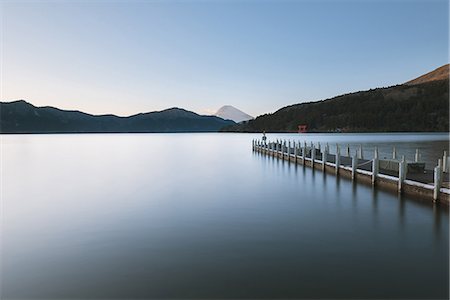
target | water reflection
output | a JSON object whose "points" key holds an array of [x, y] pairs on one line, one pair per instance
{"points": [[164, 216]]}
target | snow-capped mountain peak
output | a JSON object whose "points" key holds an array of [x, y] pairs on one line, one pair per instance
{"points": [[229, 112]]}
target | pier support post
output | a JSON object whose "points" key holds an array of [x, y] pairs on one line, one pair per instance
{"points": [[444, 163], [338, 159], [347, 150], [289, 150], [375, 166], [354, 165], [437, 182], [401, 174], [295, 152], [324, 158], [417, 156], [394, 153], [313, 155], [304, 153]]}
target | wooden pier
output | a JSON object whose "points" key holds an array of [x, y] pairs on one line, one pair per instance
{"points": [[396, 174]]}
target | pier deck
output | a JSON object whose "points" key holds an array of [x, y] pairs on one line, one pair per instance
{"points": [[403, 176]]}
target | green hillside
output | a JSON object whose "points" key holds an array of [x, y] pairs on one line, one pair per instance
{"points": [[420, 107]]}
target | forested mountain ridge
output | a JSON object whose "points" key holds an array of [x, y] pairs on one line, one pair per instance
{"points": [[408, 107], [23, 117]]}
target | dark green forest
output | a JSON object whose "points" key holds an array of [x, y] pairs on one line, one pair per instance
{"points": [[422, 107]]}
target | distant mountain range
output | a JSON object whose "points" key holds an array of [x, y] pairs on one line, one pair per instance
{"points": [[228, 112], [23, 117], [419, 105]]}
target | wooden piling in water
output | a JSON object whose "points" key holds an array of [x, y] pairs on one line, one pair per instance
{"points": [[354, 165], [401, 174], [313, 155], [437, 182], [444, 163], [375, 166], [337, 160]]}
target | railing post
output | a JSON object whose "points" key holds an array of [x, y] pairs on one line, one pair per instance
{"points": [[338, 159], [354, 165], [394, 153], [437, 182], [401, 174], [375, 166], [417, 156]]}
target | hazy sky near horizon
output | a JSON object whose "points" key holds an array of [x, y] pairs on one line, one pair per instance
{"points": [[125, 57]]}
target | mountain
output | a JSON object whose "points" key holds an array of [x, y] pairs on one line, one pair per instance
{"points": [[419, 105], [23, 117], [440, 73], [229, 112]]}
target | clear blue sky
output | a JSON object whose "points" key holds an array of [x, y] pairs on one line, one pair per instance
{"points": [[134, 56]]}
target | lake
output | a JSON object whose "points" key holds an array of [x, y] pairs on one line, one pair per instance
{"points": [[202, 216]]}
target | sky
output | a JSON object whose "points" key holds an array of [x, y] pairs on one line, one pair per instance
{"points": [[126, 57]]}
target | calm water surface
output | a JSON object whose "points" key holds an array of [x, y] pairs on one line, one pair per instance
{"points": [[202, 216]]}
